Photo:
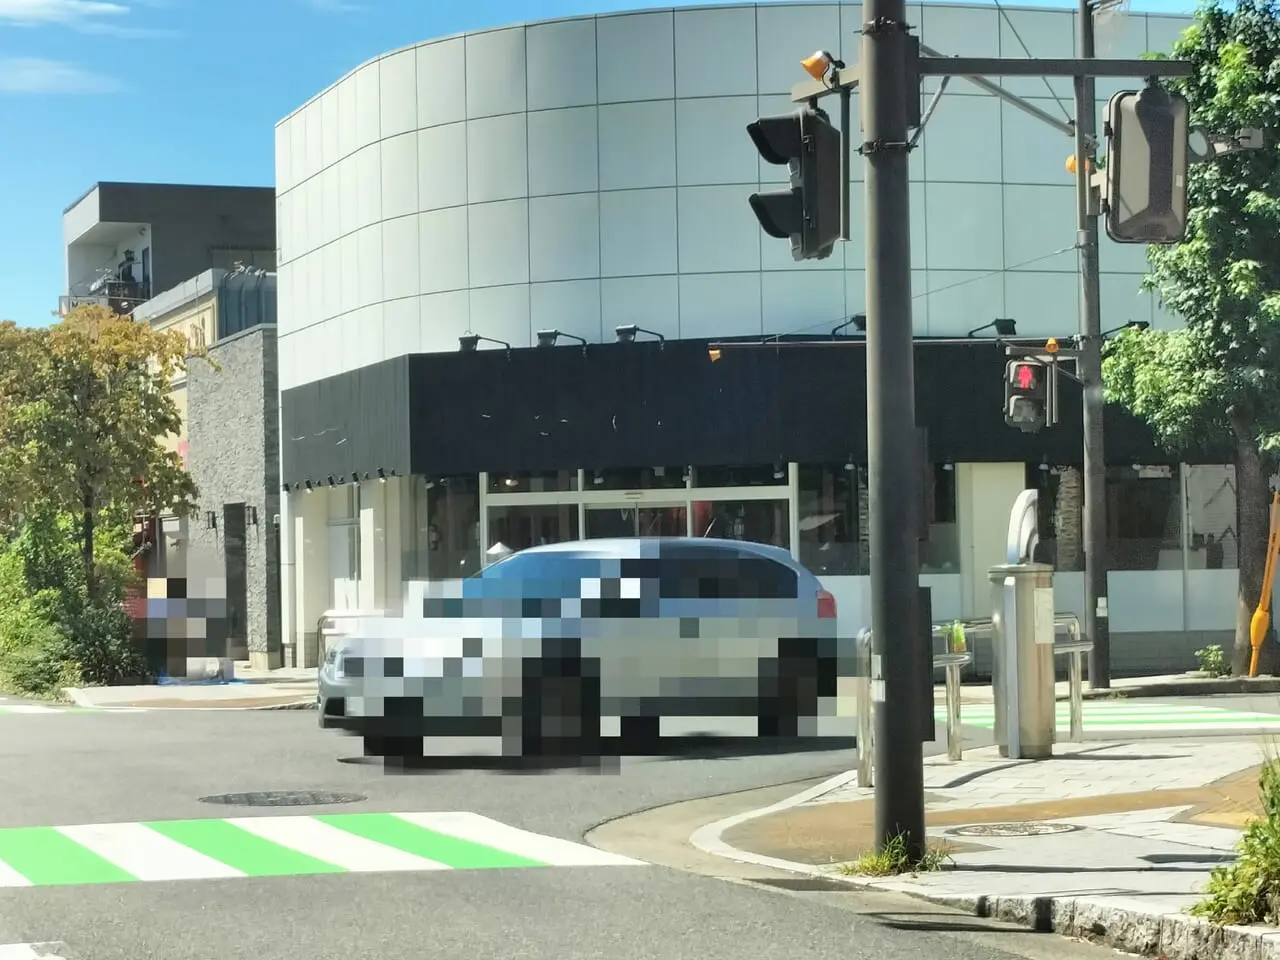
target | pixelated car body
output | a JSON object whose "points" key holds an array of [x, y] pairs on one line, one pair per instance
{"points": [[574, 647]]}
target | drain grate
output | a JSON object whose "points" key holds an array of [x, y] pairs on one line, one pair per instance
{"points": [[283, 798], [1012, 830]]}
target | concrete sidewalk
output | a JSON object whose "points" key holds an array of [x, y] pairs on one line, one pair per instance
{"points": [[1108, 841], [290, 688]]}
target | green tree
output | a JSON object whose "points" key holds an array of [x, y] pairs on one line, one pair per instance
{"points": [[86, 403], [1216, 383]]}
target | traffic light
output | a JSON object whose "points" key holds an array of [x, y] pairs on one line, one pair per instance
{"points": [[1026, 395], [1147, 153], [809, 214]]}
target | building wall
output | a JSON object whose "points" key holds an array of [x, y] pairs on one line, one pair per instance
{"points": [[585, 173], [197, 322], [234, 431]]}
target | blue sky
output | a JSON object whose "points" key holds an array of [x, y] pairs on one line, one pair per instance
{"points": [[188, 91]]}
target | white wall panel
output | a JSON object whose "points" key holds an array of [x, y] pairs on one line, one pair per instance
{"points": [[298, 147], [1119, 37], [314, 138], [348, 122], [495, 73], [637, 145], [960, 301], [328, 303], [498, 240], [855, 257], [442, 318], [368, 175], [562, 64], [571, 306], [284, 155], [286, 316], [712, 146], [401, 326], [349, 256], [959, 31], [640, 51], [716, 52], [564, 238], [1038, 34], [442, 82], [369, 245], [787, 34], [399, 186], [1123, 300], [286, 360], [564, 151], [800, 303], [720, 304], [717, 230], [1037, 222], [957, 126], [1044, 304], [398, 93], [964, 226], [349, 193], [501, 313], [638, 232], [368, 106], [442, 166], [330, 129], [1033, 151], [442, 252], [362, 337], [497, 159], [400, 259], [650, 302]]}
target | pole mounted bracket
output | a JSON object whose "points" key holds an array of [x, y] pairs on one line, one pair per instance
{"points": [[881, 146], [884, 25]]}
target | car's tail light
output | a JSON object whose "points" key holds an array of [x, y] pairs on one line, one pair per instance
{"points": [[826, 605]]}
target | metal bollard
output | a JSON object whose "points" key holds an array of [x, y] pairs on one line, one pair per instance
{"points": [[952, 662], [866, 715]]}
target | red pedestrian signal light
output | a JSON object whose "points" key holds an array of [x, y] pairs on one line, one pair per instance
{"points": [[1025, 395]]}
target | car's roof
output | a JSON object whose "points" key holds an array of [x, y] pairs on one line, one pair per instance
{"points": [[637, 547]]}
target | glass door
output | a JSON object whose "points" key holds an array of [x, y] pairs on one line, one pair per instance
{"points": [[632, 520]]}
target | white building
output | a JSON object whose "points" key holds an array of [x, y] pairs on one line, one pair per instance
{"points": [[584, 174]]}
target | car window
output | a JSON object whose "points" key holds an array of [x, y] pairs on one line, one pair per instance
{"points": [[693, 573]]}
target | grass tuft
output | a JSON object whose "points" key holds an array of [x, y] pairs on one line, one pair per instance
{"points": [[893, 860]]}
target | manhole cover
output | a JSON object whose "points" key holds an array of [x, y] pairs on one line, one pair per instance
{"points": [[1012, 830], [283, 798]]}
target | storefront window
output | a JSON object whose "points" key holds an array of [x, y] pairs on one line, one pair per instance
{"points": [[636, 521], [442, 528], [758, 521], [941, 552], [638, 478], [833, 536], [1212, 518], [755, 475], [518, 528], [547, 481], [1144, 518]]}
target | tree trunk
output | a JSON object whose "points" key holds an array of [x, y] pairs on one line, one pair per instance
{"points": [[87, 522], [1253, 493]]}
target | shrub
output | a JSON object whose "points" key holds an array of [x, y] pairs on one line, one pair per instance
{"points": [[1248, 890], [1213, 661]]}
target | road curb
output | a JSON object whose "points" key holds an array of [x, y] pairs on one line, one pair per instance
{"points": [[78, 697], [1170, 936], [1188, 688]]}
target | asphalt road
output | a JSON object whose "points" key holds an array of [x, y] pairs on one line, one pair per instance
{"points": [[95, 768]]}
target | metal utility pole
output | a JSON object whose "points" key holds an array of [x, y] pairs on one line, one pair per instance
{"points": [[1089, 367], [893, 467]]}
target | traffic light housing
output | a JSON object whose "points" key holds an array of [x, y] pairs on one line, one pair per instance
{"points": [[1026, 395], [809, 214], [1147, 154]]}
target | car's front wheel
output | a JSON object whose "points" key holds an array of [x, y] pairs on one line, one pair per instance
{"points": [[560, 702]]}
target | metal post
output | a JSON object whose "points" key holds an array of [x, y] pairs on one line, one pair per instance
{"points": [[955, 749], [1075, 692], [1090, 370], [866, 712], [846, 160], [894, 471]]}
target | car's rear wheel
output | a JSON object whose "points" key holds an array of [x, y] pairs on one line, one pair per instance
{"points": [[560, 702], [790, 687], [640, 736]]}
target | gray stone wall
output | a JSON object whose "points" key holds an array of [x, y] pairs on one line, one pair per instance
{"points": [[233, 432]]}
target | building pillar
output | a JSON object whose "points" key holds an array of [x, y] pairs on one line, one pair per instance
{"points": [[985, 493], [311, 582]]}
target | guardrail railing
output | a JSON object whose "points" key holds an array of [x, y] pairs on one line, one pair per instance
{"points": [[1074, 649]]}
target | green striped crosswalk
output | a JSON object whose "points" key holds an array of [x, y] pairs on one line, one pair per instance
{"points": [[1116, 716], [277, 847]]}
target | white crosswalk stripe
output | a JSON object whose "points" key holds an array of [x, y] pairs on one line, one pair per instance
{"points": [[55, 950]]}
